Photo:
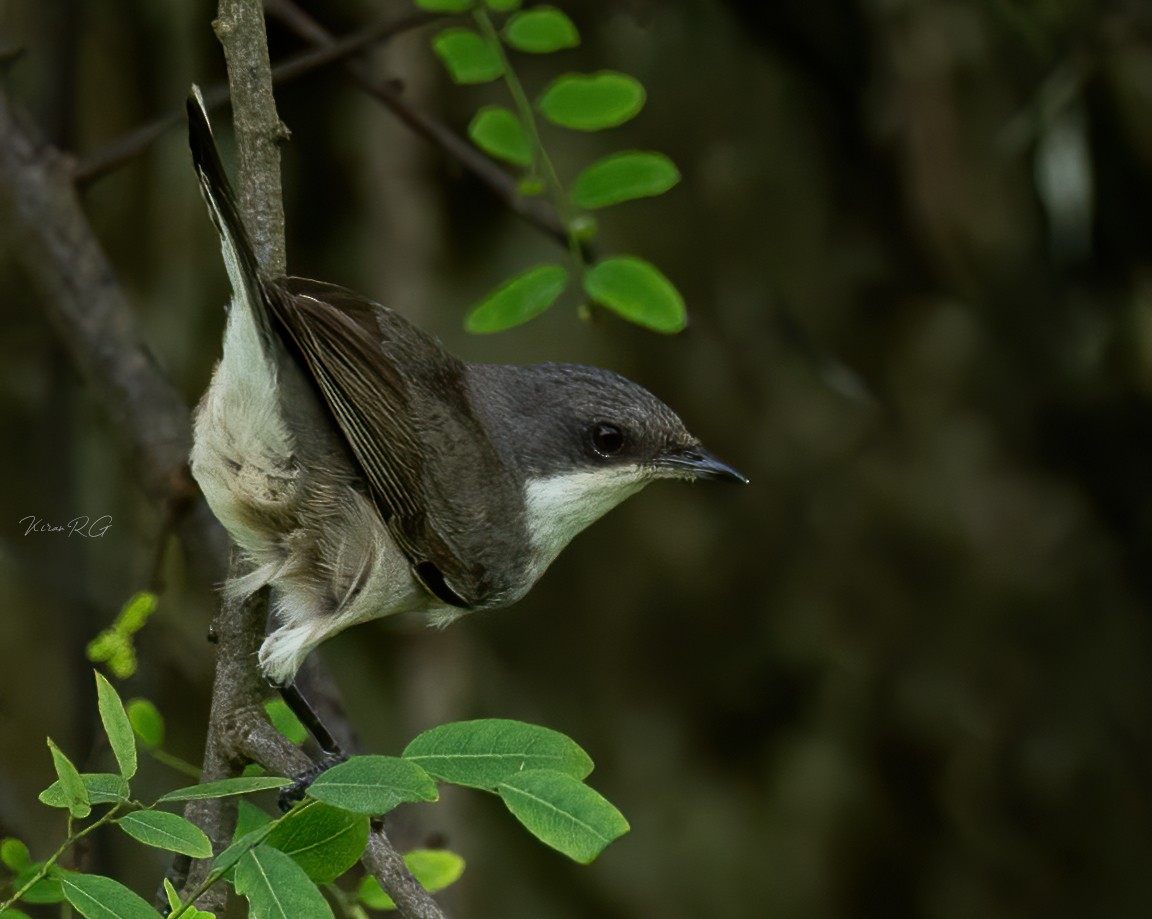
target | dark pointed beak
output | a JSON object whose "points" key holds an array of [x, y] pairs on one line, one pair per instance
{"points": [[698, 462]]}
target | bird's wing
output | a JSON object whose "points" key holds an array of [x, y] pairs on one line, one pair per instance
{"points": [[239, 256], [400, 401], [394, 394]]}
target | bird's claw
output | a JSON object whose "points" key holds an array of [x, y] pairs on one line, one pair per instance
{"points": [[294, 793]]}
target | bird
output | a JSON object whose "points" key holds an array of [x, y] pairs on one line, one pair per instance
{"points": [[365, 471]]}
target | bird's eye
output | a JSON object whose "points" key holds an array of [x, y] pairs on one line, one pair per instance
{"points": [[607, 439]]}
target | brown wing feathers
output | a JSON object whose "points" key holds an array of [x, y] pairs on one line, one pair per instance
{"points": [[369, 376]]}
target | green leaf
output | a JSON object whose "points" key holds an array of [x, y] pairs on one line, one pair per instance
{"points": [[225, 788], [583, 227], [503, 6], [116, 726], [373, 784], [592, 102], [435, 869], [174, 904], [71, 785], [45, 890], [468, 56], [624, 177], [238, 847], [167, 831], [444, 6], [102, 788], [486, 752], [325, 841], [541, 30], [135, 612], [563, 812], [172, 895], [14, 854], [285, 720], [499, 133], [114, 648], [249, 817], [637, 291], [114, 644], [516, 301], [147, 722], [12, 913], [277, 888], [97, 897]]}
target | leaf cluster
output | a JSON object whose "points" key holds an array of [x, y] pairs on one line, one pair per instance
{"points": [[478, 53], [284, 865]]}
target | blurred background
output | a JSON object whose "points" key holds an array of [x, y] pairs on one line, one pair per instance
{"points": [[905, 673]]}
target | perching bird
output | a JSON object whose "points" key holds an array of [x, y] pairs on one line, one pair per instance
{"points": [[367, 472]]}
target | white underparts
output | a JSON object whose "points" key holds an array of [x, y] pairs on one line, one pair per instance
{"points": [[286, 495], [558, 507]]}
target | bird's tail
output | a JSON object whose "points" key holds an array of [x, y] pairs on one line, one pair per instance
{"points": [[239, 255]]}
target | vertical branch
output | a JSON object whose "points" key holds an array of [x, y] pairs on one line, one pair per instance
{"points": [[239, 626], [237, 728], [259, 131]]}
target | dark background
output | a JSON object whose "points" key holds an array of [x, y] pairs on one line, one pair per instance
{"points": [[905, 673]]}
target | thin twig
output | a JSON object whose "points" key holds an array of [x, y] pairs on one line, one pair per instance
{"points": [[385, 864], [53, 241], [123, 149], [534, 210], [237, 690], [259, 131], [237, 727], [237, 687]]}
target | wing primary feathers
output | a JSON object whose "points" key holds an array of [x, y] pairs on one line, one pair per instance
{"points": [[385, 385], [239, 256]]}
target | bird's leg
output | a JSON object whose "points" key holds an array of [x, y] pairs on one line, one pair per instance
{"points": [[331, 752], [303, 710]]}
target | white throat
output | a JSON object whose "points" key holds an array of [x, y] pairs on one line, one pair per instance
{"points": [[559, 507]]}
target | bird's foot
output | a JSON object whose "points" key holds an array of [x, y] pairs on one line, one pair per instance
{"points": [[294, 793]]}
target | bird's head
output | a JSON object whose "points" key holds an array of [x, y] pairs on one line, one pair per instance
{"points": [[584, 439]]}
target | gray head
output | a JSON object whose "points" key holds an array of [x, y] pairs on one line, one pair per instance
{"points": [[560, 419], [583, 439]]}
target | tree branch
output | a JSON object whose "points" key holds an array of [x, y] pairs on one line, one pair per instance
{"points": [[237, 728], [535, 211], [259, 131], [237, 687], [53, 242], [111, 156]]}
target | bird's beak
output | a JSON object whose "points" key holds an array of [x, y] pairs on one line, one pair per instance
{"points": [[699, 463]]}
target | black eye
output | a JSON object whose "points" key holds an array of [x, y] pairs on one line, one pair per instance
{"points": [[607, 439]]}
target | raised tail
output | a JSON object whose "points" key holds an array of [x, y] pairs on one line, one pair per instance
{"points": [[239, 256]]}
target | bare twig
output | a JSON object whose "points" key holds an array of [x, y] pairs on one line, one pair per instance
{"points": [[53, 242], [535, 211], [259, 131], [116, 153], [352, 44], [236, 690], [385, 864], [238, 729], [237, 687]]}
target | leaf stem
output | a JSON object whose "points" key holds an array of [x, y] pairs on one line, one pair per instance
{"points": [[541, 163], [47, 866], [174, 762], [217, 873]]}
